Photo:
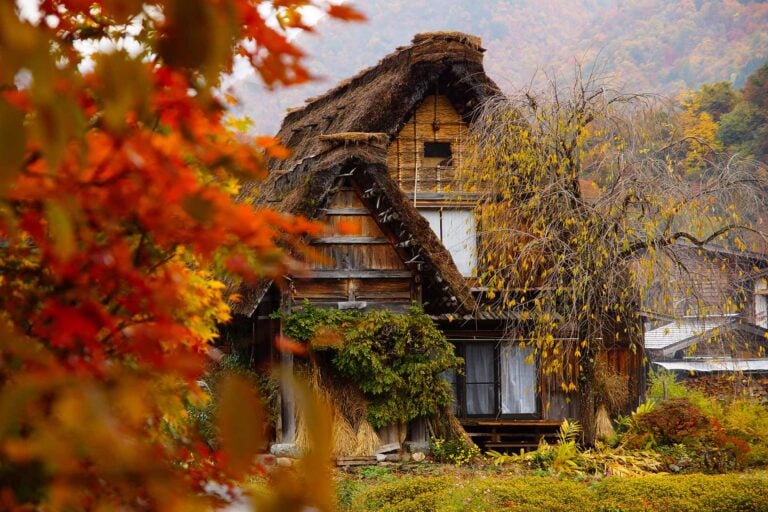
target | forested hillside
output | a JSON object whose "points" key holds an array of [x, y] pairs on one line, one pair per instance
{"points": [[724, 118], [641, 45]]}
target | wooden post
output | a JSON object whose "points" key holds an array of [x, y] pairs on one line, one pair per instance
{"points": [[288, 399]]}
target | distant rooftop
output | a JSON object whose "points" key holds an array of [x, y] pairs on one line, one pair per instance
{"points": [[677, 332], [717, 365]]}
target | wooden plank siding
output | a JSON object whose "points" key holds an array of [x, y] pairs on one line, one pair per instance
{"points": [[435, 120], [358, 263]]}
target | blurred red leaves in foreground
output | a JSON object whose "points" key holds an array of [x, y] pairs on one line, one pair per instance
{"points": [[117, 181]]}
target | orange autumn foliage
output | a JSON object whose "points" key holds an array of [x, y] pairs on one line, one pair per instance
{"points": [[117, 208]]}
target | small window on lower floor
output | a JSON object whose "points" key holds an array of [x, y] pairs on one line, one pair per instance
{"points": [[500, 378]]}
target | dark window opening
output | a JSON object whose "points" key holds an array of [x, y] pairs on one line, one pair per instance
{"points": [[438, 150]]}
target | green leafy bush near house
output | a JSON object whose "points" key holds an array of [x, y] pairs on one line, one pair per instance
{"points": [[303, 325], [396, 360], [668, 493]]}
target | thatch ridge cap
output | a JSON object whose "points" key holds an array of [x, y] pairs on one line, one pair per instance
{"points": [[420, 40], [471, 40]]}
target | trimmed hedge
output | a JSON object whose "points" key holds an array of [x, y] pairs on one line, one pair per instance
{"points": [[656, 493]]}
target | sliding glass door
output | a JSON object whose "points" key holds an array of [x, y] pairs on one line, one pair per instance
{"points": [[480, 379], [500, 380], [518, 379]]}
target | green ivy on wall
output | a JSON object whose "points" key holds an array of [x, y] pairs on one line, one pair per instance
{"points": [[395, 359]]}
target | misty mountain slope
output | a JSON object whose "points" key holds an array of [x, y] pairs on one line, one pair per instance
{"points": [[641, 45]]}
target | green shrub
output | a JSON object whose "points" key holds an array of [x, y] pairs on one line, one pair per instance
{"points": [[667, 493], [397, 495], [376, 473], [346, 490], [303, 325], [396, 360], [684, 493], [748, 420], [542, 493], [453, 451], [663, 384]]}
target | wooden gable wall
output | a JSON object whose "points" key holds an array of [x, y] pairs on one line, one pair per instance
{"points": [[435, 120], [360, 268]]}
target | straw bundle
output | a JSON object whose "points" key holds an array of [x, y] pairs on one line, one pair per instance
{"points": [[603, 426], [352, 434], [611, 387]]}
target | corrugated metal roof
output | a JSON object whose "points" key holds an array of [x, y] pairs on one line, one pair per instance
{"points": [[675, 332], [717, 365]]}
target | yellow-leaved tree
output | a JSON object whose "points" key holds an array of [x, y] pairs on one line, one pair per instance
{"points": [[585, 212]]}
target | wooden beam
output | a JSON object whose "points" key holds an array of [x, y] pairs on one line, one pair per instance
{"points": [[356, 274], [370, 305], [347, 211], [367, 240]]}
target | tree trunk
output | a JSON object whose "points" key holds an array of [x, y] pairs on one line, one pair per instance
{"points": [[588, 415], [588, 401]]}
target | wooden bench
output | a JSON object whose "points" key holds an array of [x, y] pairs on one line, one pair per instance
{"points": [[508, 433]]}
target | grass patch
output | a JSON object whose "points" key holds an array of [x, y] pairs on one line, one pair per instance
{"points": [[742, 492]]}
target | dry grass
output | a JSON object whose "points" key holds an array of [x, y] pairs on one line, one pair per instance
{"points": [[352, 434], [612, 388], [364, 137]]}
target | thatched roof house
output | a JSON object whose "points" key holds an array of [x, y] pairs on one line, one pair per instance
{"points": [[347, 131], [379, 152]]}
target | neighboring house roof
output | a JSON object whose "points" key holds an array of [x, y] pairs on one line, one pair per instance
{"points": [[716, 365], [668, 339], [713, 249], [745, 254], [675, 333], [346, 131]]}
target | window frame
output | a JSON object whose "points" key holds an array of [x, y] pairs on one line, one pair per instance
{"points": [[460, 385], [474, 259]]}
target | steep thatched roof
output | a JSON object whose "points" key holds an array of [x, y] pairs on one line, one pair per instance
{"points": [[346, 131], [382, 98], [307, 190]]}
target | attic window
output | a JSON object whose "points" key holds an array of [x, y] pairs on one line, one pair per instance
{"points": [[437, 154], [437, 150]]}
